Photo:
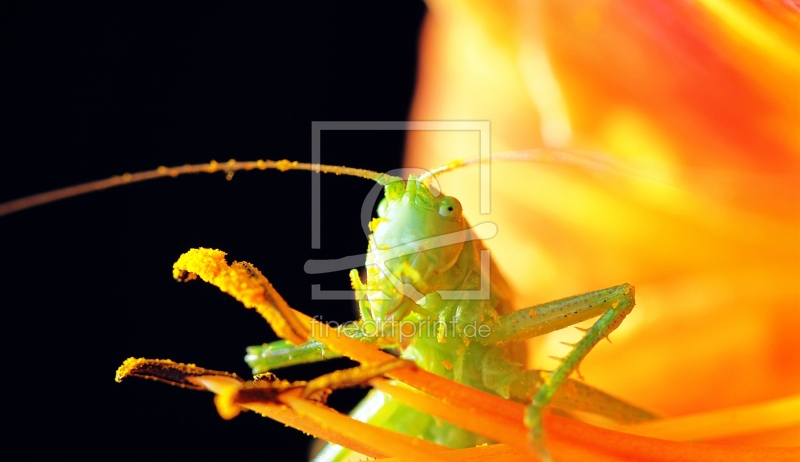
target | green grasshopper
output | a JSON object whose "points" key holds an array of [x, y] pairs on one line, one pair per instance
{"points": [[421, 247], [433, 295]]}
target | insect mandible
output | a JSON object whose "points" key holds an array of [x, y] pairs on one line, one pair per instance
{"points": [[425, 272]]}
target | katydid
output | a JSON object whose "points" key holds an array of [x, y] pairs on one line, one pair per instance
{"points": [[433, 295]]}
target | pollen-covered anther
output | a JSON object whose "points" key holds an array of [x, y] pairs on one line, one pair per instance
{"points": [[246, 284], [168, 371], [233, 396]]}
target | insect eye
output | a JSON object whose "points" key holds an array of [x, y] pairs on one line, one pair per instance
{"points": [[450, 208]]}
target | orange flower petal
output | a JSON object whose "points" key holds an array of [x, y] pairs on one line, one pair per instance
{"points": [[699, 95]]}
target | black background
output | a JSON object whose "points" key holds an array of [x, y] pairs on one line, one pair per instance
{"points": [[94, 90]]}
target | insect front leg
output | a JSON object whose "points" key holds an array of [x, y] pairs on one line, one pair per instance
{"points": [[612, 304], [280, 354]]}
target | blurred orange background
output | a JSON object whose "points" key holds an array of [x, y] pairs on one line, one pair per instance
{"points": [[703, 99]]}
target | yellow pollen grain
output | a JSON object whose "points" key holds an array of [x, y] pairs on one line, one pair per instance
{"points": [[440, 333], [133, 365], [373, 225], [455, 164], [129, 365], [284, 165]]}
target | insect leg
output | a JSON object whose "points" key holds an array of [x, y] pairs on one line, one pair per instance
{"points": [[279, 354], [612, 304], [512, 381], [574, 395], [620, 305], [551, 316]]}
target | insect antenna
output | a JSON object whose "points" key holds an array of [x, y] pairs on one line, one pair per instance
{"points": [[228, 167], [586, 159]]}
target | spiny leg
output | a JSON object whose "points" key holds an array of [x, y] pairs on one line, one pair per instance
{"points": [[574, 395], [512, 381], [548, 317], [608, 322], [613, 304]]}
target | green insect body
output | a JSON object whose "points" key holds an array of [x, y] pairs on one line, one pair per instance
{"points": [[442, 343], [420, 248]]}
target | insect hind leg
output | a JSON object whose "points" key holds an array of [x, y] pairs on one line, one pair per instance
{"points": [[619, 307], [512, 381], [574, 395], [612, 305]]}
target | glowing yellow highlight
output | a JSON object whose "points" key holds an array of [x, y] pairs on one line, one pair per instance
{"points": [[747, 21]]}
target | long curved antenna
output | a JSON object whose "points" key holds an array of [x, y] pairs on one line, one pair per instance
{"points": [[227, 167], [586, 159]]}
